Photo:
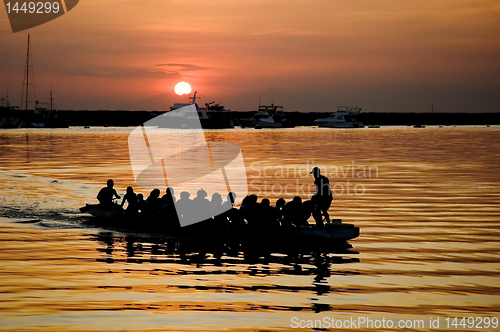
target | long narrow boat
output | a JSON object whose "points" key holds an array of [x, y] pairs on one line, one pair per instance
{"points": [[331, 237]]}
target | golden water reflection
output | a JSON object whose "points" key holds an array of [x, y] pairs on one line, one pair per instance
{"points": [[429, 243]]}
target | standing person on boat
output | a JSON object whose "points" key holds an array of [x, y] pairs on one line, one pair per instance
{"points": [[322, 199], [132, 200], [106, 194]]}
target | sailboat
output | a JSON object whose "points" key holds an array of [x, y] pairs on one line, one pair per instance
{"points": [[41, 116]]}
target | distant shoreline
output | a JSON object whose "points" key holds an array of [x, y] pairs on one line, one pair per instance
{"points": [[135, 118]]}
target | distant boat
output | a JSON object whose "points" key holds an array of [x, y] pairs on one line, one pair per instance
{"points": [[270, 116], [218, 116], [211, 117], [345, 117], [43, 117], [40, 117], [418, 126], [9, 115]]}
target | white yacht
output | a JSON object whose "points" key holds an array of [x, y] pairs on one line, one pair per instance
{"points": [[210, 117], [345, 117], [267, 117]]}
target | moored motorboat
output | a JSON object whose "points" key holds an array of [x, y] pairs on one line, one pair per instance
{"points": [[344, 117], [270, 116], [211, 117]]}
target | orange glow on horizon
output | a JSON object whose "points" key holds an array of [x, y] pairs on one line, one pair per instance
{"points": [[386, 55]]}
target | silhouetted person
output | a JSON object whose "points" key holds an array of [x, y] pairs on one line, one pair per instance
{"points": [[249, 210], [154, 202], [293, 213], [268, 216], [141, 203], [280, 204], [217, 207], [106, 194], [245, 203], [231, 199], [218, 210], [322, 199], [184, 205], [131, 198], [237, 222], [169, 193], [202, 208], [168, 212], [168, 198]]}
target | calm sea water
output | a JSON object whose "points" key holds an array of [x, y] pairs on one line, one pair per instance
{"points": [[426, 201]]}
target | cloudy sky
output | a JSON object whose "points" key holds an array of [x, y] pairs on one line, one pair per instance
{"points": [[383, 55]]}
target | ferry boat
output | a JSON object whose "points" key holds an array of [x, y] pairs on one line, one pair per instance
{"points": [[213, 116], [267, 116], [345, 117]]}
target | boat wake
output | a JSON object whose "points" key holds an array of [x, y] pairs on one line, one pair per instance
{"points": [[43, 201]]}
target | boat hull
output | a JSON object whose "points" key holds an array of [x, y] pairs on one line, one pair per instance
{"points": [[326, 124], [211, 122], [332, 235], [6, 122], [250, 123]]}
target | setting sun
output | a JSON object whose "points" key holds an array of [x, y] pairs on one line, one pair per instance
{"points": [[182, 88]]}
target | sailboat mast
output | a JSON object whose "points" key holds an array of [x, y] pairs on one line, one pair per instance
{"points": [[27, 71]]}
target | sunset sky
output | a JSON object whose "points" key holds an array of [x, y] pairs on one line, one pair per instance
{"points": [[383, 55]]}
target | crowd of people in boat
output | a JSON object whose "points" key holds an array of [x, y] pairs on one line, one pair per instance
{"points": [[169, 210]]}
